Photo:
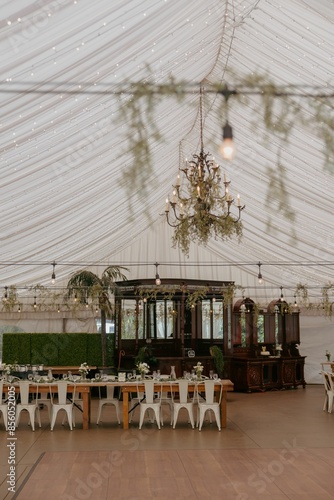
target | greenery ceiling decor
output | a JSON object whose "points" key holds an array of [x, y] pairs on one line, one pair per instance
{"points": [[281, 108]]}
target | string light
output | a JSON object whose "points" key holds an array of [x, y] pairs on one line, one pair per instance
{"points": [[53, 276], [157, 277], [259, 276]]}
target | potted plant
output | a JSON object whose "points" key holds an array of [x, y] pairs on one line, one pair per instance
{"points": [[145, 356], [218, 359]]}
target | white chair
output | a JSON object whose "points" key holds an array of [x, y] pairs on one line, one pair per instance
{"points": [[166, 398], [182, 400], [63, 404], [42, 399], [150, 402], [208, 403], [109, 400], [3, 406], [24, 405], [135, 402], [329, 388]]}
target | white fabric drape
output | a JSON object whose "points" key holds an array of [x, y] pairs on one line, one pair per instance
{"points": [[63, 155]]}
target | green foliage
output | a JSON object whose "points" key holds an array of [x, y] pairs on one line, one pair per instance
{"points": [[73, 349], [302, 294], [195, 296], [10, 300], [327, 301], [44, 348], [16, 348], [55, 349], [137, 111], [218, 359], [145, 355]]}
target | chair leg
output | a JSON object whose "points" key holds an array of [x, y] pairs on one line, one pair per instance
{"points": [[53, 418], [217, 416], [176, 412], [117, 414], [141, 418], [157, 416], [191, 417], [326, 402], [32, 417], [70, 416], [201, 418], [17, 418], [99, 414]]}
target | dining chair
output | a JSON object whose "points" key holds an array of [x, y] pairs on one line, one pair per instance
{"points": [[166, 398], [208, 403], [63, 403], [3, 406], [109, 400], [329, 389], [25, 405], [182, 400], [43, 399], [150, 402]]}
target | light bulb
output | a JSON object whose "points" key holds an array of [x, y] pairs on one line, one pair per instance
{"points": [[227, 147]]}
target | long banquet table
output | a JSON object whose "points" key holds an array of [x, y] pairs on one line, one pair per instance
{"points": [[84, 389]]}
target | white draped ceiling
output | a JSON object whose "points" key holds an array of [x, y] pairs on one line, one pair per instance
{"points": [[63, 147]]}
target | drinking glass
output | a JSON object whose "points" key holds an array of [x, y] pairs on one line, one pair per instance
{"points": [[215, 376], [211, 374]]}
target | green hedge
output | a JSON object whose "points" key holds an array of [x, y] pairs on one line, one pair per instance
{"points": [[55, 349]]}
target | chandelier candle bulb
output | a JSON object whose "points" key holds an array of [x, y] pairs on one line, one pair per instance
{"points": [[239, 204], [178, 181], [167, 205]]}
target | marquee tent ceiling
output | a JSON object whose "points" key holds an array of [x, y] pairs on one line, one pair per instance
{"points": [[64, 149]]}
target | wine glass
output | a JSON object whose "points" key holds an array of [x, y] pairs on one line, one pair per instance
{"points": [[211, 374], [215, 376]]}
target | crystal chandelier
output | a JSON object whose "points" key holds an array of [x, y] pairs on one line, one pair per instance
{"points": [[197, 210]]}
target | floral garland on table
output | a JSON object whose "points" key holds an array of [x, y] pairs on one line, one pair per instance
{"points": [[199, 369], [84, 369]]}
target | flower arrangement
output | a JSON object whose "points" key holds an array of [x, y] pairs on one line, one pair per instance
{"points": [[6, 368], [143, 368], [328, 355], [84, 369], [199, 369]]}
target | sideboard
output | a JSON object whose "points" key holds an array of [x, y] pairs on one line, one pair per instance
{"points": [[261, 374]]}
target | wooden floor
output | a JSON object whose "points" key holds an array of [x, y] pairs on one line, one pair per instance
{"points": [[277, 445]]}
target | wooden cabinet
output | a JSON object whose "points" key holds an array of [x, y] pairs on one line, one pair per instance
{"points": [[256, 374]]}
